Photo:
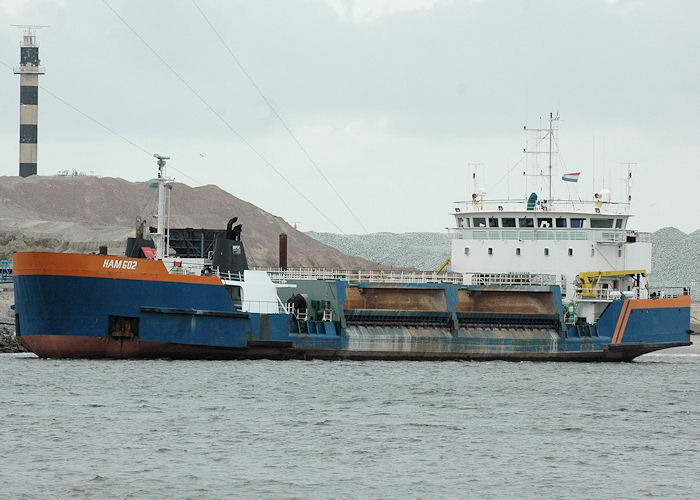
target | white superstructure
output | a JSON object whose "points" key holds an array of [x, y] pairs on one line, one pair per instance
{"points": [[553, 236]]}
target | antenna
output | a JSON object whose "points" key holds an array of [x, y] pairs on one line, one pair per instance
{"points": [[161, 163], [545, 133], [474, 166], [628, 183]]}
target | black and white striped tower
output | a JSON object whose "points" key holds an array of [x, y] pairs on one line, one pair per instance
{"points": [[28, 71]]}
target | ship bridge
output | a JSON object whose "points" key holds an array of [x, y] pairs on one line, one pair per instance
{"points": [[559, 237]]}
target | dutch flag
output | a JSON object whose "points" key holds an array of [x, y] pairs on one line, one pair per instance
{"points": [[571, 177]]}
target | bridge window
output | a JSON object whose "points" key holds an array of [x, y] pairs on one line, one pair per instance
{"points": [[460, 222], [561, 222], [479, 221], [578, 223], [601, 223], [493, 221], [544, 222], [526, 222], [618, 223], [508, 221]]}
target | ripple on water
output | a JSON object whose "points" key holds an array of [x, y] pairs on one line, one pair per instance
{"points": [[157, 429]]}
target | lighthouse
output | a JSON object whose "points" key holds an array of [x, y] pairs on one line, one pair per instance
{"points": [[28, 71]]}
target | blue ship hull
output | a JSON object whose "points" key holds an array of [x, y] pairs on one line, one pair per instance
{"points": [[69, 306]]}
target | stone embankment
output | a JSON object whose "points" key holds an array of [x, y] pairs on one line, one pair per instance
{"points": [[8, 342]]}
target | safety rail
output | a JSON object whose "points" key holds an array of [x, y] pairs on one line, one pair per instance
{"points": [[302, 273], [5, 271], [277, 274], [495, 279], [264, 306], [551, 234], [609, 294], [476, 206], [510, 279], [668, 292], [228, 275]]}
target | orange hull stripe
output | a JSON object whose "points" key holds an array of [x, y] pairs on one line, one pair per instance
{"points": [[99, 266], [624, 323], [682, 301], [625, 304]]}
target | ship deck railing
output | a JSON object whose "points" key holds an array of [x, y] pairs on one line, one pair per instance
{"points": [[277, 274], [606, 294], [521, 205], [380, 276], [264, 306], [510, 279], [668, 292], [610, 294], [491, 279], [549, 233]]}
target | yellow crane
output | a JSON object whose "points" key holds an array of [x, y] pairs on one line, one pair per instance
{"points": [[444, 265], [589, 281]]}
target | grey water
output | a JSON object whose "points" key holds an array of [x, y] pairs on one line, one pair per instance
{"points": [[294, 429]]}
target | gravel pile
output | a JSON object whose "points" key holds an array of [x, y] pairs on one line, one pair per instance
{"points": [[675, 258], [675, 255], [424, 251]]}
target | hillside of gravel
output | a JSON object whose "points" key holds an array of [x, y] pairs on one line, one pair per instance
{"points": [[79, 214], [675, 255], [425, 251], [675, 258]]}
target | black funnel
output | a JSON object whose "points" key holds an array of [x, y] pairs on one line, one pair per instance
{"points": [[134, 247], [229, 254]]}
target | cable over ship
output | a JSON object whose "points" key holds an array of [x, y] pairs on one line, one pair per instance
{"points": [[532, 279]]}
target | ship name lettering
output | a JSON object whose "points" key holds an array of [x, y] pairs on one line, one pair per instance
{"points": [[129, 265]]}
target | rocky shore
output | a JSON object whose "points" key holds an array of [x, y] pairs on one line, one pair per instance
{"points": [[8, 341]]}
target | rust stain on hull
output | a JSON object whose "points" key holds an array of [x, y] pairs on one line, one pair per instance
{"points": [[60, 346], [511, 302], [402, 299]]}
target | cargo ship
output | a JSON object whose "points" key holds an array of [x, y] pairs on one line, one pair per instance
{"points": [[531, 280]]}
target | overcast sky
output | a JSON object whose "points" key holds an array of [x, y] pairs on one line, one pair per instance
{"points": [[392, 99]]}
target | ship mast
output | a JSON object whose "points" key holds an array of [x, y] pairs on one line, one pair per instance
{"points": [[162, 181], [542, 134], [549, 175], [628, 184]]}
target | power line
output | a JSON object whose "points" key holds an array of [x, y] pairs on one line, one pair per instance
{"points": [[276, 113], [221, 118]]}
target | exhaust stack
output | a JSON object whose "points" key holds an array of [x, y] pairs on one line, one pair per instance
{"points": [[283, 251]]}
